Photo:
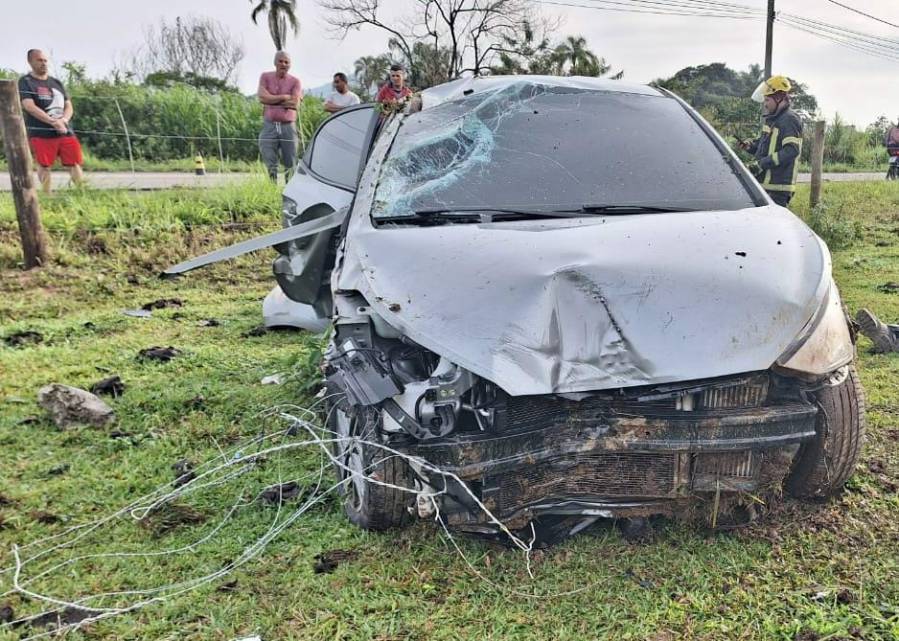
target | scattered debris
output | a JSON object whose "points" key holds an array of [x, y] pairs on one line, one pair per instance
{"points": [[7, 614], [636, 530], [845, 597], [169, 516], [876, 466], [230, 586], [196, 403], [60, 618], [280, 493], [118, 434], [806, 635], [210, 322], [137, 313], [24, 338], [184, 472], [163, 354], [111, 385], [262, 330], [47, 518], [29, 420], [274, 379], [394, 307], [643, 583], [59, 470], [69, 405], [163, 303], [741, 254], [327, 562], [890, 287], [5, 500]]}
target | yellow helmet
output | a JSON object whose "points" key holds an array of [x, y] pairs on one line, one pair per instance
{"points": [[771, 86]]}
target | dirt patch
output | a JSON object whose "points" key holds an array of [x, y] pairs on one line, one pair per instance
{"points": [[171, 516], [327, 562], [184, 472], [42, 516], [7, 614], [23, 339], [59, 618]]}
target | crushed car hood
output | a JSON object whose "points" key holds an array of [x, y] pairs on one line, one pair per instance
{"points": [[575, 305]]}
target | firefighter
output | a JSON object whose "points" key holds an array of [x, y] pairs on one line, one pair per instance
{"points": [[777, 150]]}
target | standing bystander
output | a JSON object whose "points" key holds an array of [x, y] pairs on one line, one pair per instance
{"points": [[342, 96], [281, 94], [48, 112], [395, 91]]}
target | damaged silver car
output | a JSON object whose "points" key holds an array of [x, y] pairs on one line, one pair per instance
{"points": [[570, 294]]}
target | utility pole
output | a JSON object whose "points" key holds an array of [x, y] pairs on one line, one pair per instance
{"points": [[769, 39], [817, 163], [24, 193]]}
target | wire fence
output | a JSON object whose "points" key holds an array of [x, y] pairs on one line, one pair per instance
{"points": [[140, 125]]}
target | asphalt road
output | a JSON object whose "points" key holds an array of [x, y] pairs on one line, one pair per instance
{"points": [[150, 180]]}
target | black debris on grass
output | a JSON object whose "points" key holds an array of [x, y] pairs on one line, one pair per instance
{"points": [[59, 618], [262, 330], [47, 518], [889, 288], [280, 494], [162, 354], [29, 420], [184, 472], [7, 614], [23, 339], [163, 303], [230, 586], [196, 403], [210, 322], [59, 470], [112, 385], [327, 562]]}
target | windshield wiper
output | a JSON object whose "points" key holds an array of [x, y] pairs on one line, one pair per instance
{"points": [[628, 209]]}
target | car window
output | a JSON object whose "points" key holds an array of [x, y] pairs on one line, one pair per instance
{"points": [[339, 147], [534, 145]]}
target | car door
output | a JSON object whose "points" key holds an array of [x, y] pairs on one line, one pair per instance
{"points": [[325, 181]]}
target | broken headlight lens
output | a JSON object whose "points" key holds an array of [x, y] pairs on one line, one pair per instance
{"points": [[288, 211], [826, 347]]}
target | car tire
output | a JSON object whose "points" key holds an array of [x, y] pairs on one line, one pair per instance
{"points": [[823, 465], [369, 505]]}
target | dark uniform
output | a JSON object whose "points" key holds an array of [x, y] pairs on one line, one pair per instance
{"points": [[777, 153]]}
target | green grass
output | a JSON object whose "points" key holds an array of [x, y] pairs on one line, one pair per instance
{"points": [[213, 164], [760, 583]]}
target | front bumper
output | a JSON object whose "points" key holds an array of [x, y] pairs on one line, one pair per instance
{"points": [[566, 457]]}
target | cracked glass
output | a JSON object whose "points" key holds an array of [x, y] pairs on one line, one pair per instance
{"points": [[543, 146]]}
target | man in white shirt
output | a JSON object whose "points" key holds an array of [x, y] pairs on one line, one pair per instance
{"points": [[342, 96]]}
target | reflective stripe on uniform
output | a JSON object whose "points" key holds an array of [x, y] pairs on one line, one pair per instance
{"points": [[793, 140], [775, 158], [771, 187]]}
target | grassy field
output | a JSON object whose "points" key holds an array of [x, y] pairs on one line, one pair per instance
{"points": [[828, 571], [92, 163]]}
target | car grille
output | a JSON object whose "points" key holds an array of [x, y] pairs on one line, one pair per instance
{"points": [[605, 475]]}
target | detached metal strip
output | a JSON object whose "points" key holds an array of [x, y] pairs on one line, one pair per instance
{"points": [[309, 228]]}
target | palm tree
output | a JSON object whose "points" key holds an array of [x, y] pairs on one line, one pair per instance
{"points": [[281, 14], [370, 72], [574, 53]]}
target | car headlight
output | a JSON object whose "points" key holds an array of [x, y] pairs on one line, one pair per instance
{"points": [[825, 345], [288, 211]]}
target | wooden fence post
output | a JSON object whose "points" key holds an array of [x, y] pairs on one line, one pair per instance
{"points": [[24, 193], [817, 164]]}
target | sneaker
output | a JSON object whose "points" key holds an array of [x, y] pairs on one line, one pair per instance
{"points": [[875, 330]]}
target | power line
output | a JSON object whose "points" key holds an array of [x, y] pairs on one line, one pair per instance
{"points": [[879, 51], [661, 12], [867, 15]]}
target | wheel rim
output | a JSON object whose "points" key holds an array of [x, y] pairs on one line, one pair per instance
{"points": [[350, 455]]}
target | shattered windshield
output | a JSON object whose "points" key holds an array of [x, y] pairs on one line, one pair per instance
{"points": [[542, 146]]}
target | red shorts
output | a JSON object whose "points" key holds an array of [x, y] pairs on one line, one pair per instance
{"points": [[47, 150]]}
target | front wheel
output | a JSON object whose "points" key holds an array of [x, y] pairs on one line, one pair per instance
{"points": [[369, 505], [823, 465]]}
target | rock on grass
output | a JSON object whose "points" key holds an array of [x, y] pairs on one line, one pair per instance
{"points": [[70, 405]]}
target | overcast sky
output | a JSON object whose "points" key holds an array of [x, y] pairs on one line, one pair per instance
{"points": [[858, 86]]}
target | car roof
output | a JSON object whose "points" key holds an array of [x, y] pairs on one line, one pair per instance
{"points": [[467, 86]]}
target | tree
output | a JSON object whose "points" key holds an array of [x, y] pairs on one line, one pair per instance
{"points": [[524, 54], [281, 15], [460, 36], [192, 46], [370, 72]]}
